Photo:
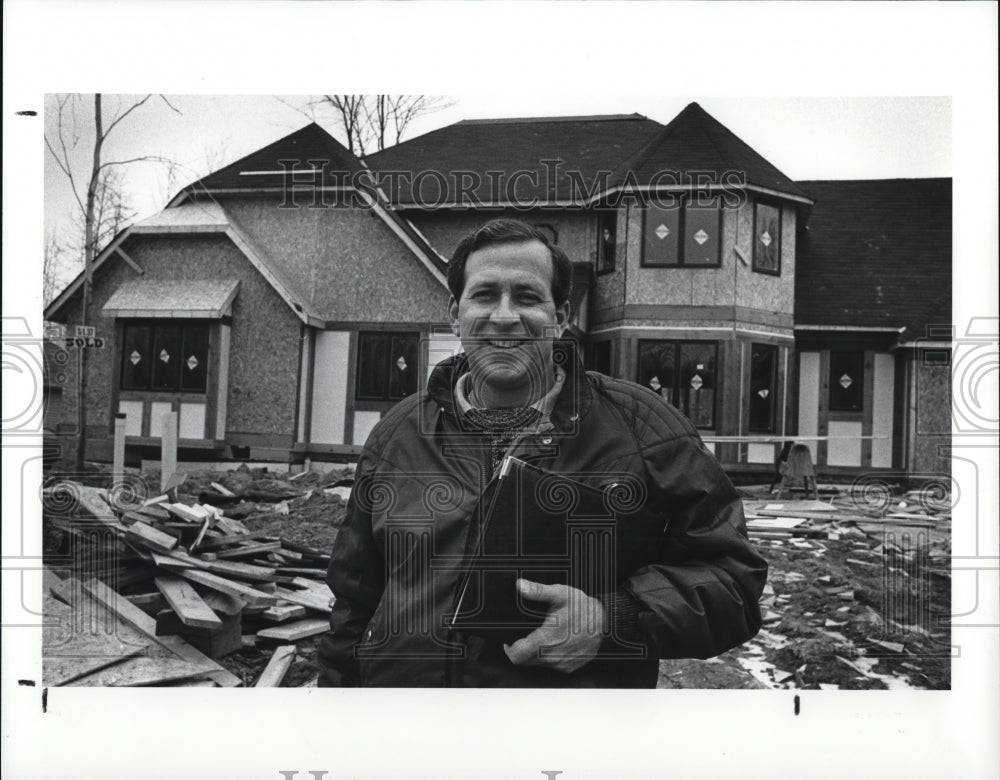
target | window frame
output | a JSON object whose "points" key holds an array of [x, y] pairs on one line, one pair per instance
{"points": [[183, 326], [754, 263], [603, 264], [372, 401], [676, 390], [685, 200], [834, 381], [773, 389]]}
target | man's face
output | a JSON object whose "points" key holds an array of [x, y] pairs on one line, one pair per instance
{"points": [[507, 321]]}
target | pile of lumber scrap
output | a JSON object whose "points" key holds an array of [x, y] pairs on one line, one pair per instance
{"points": [[185, 585]]}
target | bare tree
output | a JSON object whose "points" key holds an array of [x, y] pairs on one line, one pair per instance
{"points": [[101, 211], [352, 115], [372, 120], [403, 109]]}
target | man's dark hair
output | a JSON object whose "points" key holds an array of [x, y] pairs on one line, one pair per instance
{"points": [[509, 231]]}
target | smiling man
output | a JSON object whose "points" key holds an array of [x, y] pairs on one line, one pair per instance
{"points": [[679, 579]]}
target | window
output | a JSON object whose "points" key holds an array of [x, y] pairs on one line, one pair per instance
{"points": [[687, 234], [387, 366], [607, 235], [682, 372], [763, 387], [847, 380], [767, 238], [165, 356]]}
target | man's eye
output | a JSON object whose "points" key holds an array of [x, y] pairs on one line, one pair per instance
{"points": [[528, 299]]}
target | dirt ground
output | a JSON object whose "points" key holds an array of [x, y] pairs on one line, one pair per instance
{"points": [[867, 609]]}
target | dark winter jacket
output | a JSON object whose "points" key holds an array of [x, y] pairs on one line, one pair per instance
{"points": [[687, 584]]}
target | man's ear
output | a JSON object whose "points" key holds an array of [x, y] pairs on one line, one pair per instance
{"points": [[453, 315], [562, 317]]}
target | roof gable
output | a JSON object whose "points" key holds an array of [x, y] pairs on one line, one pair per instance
{"points": [[308, 148], [876, 253], [696, 142]]}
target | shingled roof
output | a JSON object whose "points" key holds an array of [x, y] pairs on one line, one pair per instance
{"points": [[306, 149], [876, 253], [694, 141], [492, 151]]}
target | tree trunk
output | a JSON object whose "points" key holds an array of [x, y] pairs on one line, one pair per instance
{"points": [[90, 239]]}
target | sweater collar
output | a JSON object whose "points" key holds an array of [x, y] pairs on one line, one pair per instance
{"points": [[571, 404]]}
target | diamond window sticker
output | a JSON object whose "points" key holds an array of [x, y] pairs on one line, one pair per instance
{"points": [[764, 392], [655, 383], [135, 357], [401, 363], [701, 236], [696, 382], [164, 356], [765, 238], [192, 362], [662, 232], [846, 381]]}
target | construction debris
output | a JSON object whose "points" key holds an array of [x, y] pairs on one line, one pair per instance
{"points": [[187, 584]]}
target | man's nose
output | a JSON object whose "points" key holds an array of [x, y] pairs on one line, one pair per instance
{"points": [[504, 313]]}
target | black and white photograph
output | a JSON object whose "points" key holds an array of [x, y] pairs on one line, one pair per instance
{"points": [[682, 389]]}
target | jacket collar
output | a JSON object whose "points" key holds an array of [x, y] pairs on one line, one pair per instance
{"points": [[571, 405]]}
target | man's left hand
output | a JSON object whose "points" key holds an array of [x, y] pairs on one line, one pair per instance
{"points": [[570, 635]]}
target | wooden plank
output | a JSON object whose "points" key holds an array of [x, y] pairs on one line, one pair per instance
{"points": [[306, 598], [277, 667], [146, 625], [168, 452], [209, 521], [224, 541], [183, 512], [279, 613], [151, 538], [298, 571], [252, 596], [222, 489], [71, 650], [231, 526], [118, 457], [293, 632], [146, 671], [186, 602], [248, 549], [237, 569]]}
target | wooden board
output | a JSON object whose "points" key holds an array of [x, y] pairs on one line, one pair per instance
{"points": [[146, 625], [145, 671], [282, 612], [307, 598], [277, 667], [185, 601], [293, 632], [248, 549], [183, 512], [71, 651], [150, 538], [298, 571], [222, 489], [252, 596]]}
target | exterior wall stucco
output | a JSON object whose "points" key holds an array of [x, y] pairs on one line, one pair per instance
{"points": [[931, 421], [346, 262], [445, 228]]}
